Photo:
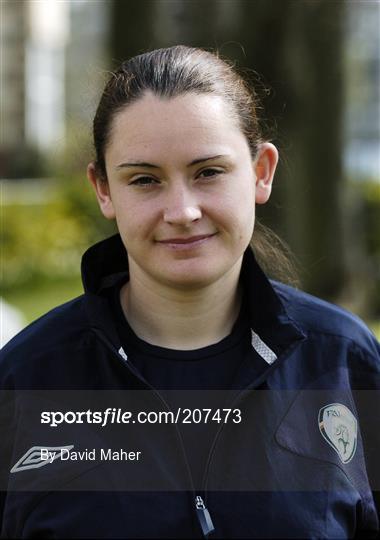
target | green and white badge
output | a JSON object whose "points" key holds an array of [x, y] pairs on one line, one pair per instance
{"points": [[339, 428]]}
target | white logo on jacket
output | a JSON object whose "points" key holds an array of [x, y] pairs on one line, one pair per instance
{"points": [[339, 428], [38, 456]]}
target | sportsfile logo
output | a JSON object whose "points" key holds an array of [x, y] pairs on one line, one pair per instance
{"points": [[38, 456]]}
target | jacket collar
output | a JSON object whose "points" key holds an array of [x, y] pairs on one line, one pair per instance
{"points": [[268, 315], [103, 264], [106, 263]]}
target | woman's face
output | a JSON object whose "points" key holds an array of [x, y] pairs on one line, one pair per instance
{"points": [[182, 186]]}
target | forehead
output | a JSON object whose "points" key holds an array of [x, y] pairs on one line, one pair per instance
{"points": [[186, 124]]}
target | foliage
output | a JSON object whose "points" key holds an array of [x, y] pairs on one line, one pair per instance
{"points": [[371, 213], [45, 241]]}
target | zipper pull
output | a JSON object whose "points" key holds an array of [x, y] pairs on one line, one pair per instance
{"points": [[204, 517]]}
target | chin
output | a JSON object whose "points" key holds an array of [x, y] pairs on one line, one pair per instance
{"points": [[193, 278], [190, 284]]}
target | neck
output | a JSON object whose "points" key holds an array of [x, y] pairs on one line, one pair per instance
{"points": [[182, 319]]}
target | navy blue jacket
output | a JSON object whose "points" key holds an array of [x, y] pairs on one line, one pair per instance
{"points": [[303, 463]]}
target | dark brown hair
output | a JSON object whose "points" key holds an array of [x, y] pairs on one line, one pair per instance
{"points": [[169, 73], [175, 71]]}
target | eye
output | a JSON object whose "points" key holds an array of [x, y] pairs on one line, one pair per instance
{"points": [[210, 173], [143, 181]]}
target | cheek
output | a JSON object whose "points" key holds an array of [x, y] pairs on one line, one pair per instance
{"points": [[241, 190], [239, 206], [135, 219]]}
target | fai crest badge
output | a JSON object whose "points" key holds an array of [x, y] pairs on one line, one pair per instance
{"points": [[339, 428]]}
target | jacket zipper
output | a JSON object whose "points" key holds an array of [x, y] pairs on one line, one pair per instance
{"points": [[204, 517], [202, 513]]}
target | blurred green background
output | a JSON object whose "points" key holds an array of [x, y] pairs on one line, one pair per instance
{"points": [[316, 67]]}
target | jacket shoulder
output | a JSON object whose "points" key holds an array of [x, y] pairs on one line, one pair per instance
{"points": [[315, 315]]}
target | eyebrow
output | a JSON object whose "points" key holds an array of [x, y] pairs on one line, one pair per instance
{"points": [[152, 166]]}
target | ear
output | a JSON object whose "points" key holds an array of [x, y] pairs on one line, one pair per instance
{"points": [[264, 167], [102, 191]]}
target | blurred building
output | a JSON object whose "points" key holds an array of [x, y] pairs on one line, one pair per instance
{"points": [[48, 27], [86, 60], [362, 145], [49, 50]]}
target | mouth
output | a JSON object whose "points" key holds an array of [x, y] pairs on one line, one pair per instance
{"points": [[187, 243]]}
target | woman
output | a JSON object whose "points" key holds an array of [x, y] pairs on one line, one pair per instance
{"points": [[266, 437]]}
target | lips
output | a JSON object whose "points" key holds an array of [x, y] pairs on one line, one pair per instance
{"points": [[188, 240]]}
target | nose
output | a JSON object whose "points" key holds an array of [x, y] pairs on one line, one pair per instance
{"points": [[181, 207]]}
